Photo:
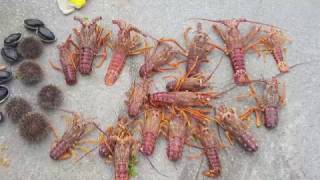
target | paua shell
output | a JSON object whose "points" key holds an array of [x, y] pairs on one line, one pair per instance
{"points": [[11, 55], [33, 24], [5, 76], [46, 35], [4, 93], [12, 40], [1, 117]]}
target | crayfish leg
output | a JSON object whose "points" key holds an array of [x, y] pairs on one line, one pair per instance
{"points": [[211, 172], [68, 155], [55, 67], [230, 139]]}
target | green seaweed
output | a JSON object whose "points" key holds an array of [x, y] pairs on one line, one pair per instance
{"points": [[133, 166]]}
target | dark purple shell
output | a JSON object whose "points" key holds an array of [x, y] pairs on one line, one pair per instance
{"points": [[271, 116]]}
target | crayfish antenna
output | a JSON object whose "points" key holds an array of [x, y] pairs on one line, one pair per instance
{"points": [[153, 166], [214, 70], [239, 20], [210, 20], [81, 20]]}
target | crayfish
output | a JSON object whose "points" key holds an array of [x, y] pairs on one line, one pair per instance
{"points": [[228, 119], [274, 42], [91, 38], [125, 45], [77, 128], [237, 45], [137, 96], [118, 144], [269, 103]]}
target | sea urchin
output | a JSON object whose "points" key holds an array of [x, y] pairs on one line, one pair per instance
{"points": [[50, 97], [30, 73], [30, 48], [33, 127], [16, 108]]}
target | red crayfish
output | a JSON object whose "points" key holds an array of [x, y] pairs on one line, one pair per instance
{"points": [[91, 38], [237, 45], [269, 103], [137, 96], [118, 144], [78, 127], [211, 146], [233, 125], [68, 60], [125, 45]]}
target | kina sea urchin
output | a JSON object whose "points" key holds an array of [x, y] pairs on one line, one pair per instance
{"points": [[30, 73], [16, 108], [50, 97], [30, 48], [33, 127]]}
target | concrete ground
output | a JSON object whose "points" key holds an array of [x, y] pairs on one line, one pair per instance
{"points": [[291, 151]]}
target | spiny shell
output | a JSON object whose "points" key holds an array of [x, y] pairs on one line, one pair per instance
{"points": [[33, 127], [30, 48], [50, 97], [30, 73], [16, 108]]}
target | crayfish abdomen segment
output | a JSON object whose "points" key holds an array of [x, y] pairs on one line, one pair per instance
{"points": [[148, 143], [213, 162], [175, 148], [59, 149], [115, 67], [122, 171], [271, 117], [70, 74], [86, 59], [278, 56], [247, 141], [239, 70]]}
